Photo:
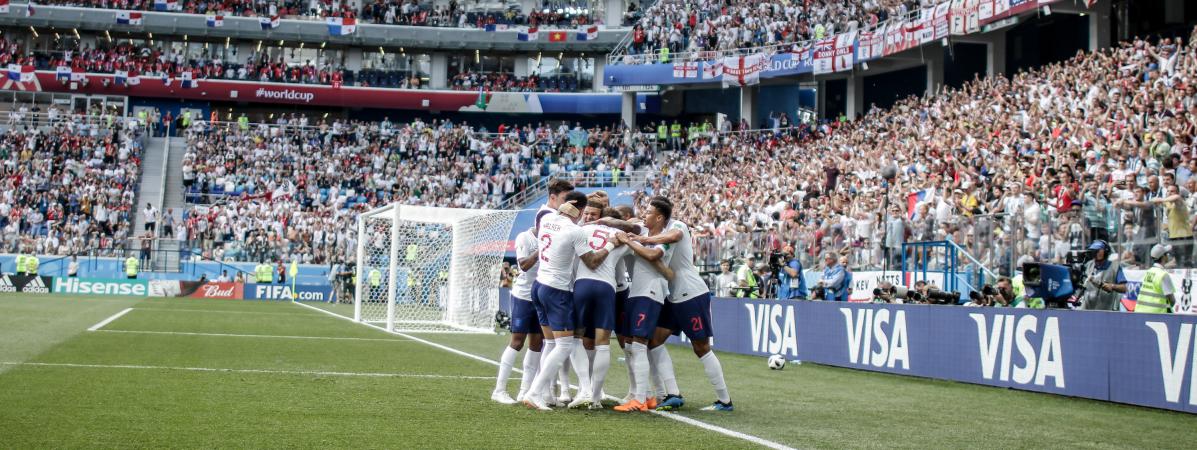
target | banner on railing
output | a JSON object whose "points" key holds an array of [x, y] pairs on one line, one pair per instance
{"points": [[1142, 359], [744, 70], [832, 54]]}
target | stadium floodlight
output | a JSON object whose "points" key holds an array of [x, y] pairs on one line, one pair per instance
{"points": [[430, 269]]}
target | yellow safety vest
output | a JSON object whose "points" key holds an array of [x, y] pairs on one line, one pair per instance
{"points": [[664, 54], [131, 266], [675, 130], [746, 272], [265, 273], [31, 264], [375, 277], [412, 251], [1151, 293], [662, 132], [20, 264], [243, 122]]}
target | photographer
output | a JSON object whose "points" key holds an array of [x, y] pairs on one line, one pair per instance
{"points": [[791, 282], [833, 282], [1104, 281]]}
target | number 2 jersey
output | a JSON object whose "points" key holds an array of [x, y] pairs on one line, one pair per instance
{"points": [[561, 242]]}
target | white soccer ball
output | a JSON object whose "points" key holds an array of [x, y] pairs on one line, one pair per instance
{"points": [[777, 362]]}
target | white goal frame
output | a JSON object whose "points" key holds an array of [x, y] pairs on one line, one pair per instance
{"points": [[451, 286]]}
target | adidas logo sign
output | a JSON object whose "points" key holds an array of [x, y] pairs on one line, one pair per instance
{"points": [[6, 284], [35, 286]]}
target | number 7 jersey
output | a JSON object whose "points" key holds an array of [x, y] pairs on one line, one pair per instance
{"points": [[598, 236]]}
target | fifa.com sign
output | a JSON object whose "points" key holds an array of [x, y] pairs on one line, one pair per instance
{"points": [[100, 286], [1142, 359], [302, 292]]}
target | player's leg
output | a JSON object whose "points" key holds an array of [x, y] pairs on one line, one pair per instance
{"points": [[585, 292], [603, 316], [531, 363], [643, 312], [506, 362], [622, 330], [559, 306], [695, 316], [542, 317], [661, 364]]}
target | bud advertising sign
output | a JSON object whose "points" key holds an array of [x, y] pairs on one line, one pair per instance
{"points": [[228, 291]]}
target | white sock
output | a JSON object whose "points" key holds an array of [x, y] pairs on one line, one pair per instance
{"points": [[563, 378], [581, 365], [602, 362], [505, 363], [531, 368], [640, 371], [590, 357], [546, 350], [714, 370], [654, 388], [553, 362], [630, 360], [664, 363]]}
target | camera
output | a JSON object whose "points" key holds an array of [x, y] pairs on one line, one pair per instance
{"points": [[987, 292], [938, 297], [1054, 283], [889, 292]]}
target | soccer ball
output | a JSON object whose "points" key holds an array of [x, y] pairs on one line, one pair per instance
{"points": [[777, 362]]}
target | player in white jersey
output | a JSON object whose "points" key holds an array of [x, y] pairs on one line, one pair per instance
{"points": [[687, 310], [646, 296], [557, 190], [594, 290], [562, 244], [524, 323]]}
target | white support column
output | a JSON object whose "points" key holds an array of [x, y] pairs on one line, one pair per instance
{"points": [[521, 66], [353, 59], [995, 54], [440, 71], [855, 95], [933, 57], [1099, 22], [627, 109], [600, 65], [613, 15], [748, 105]]}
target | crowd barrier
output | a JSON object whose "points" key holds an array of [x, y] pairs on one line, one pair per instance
{"points": [[1140, 359]]}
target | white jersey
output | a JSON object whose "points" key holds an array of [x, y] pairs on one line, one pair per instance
{"points": [[560, 241], [686, 283], [646, 280], [541, 213], [621, 273], [598, 236], [525, 244]]}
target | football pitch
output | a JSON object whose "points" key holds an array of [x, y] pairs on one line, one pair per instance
{"points": [[123, 372]]}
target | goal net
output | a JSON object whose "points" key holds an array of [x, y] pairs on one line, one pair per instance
{"points": [[430, 269]]}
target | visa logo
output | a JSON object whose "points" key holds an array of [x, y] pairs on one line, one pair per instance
{"points": [[773, 329], [1174, 362], [1039, 348], [872, 326]]}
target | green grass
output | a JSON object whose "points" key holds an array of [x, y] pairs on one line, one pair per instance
{"points": [[431, 398]]}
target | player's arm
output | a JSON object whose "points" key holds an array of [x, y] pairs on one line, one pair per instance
{"points": [[621, 225], [527, 262], [663, 269], [649, 254], [669, 236], [592, 258]]}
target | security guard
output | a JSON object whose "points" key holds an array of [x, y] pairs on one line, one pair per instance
{"points": [[243, 122], [31, 264], [265, 273], [746, 279], [375, 278], [1156, 295], [662, 132], [20, 267], [675, 135], [131, 264], [664, 55]]}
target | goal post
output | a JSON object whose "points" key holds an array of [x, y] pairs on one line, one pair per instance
{"points": [[430, 269]]}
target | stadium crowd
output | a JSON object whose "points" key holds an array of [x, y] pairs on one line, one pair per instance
{"points": [[68, 182], [292, 189], [1026, 168], [708, 25], [389, 12]]}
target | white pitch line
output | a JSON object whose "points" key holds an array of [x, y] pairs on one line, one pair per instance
{"points": [[109, 319], [678, 417], [223, 311], [272, 336], [260, 371]]}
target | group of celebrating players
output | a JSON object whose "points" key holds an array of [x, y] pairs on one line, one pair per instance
{"points": [[636, 279]]}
